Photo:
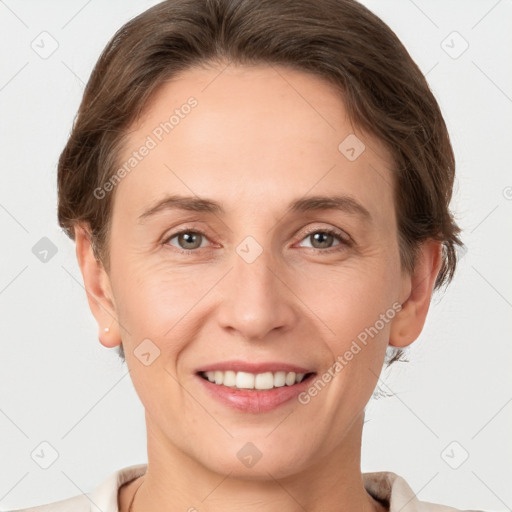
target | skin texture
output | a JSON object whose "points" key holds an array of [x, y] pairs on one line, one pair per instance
{"points": [[259, 138]]}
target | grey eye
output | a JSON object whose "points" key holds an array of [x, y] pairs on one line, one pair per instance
{"points": [[321, 240], [188, 239]]}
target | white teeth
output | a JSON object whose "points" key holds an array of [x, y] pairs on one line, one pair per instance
{"points": [[264, 381], [245, 380], [229, 378], [290, 378], [279, 379]]}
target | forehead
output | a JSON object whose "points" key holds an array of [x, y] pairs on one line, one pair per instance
{"points": [[260, 134]]}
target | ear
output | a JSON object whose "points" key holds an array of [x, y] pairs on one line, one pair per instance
{"points": [[418, 287], [98, 288]]}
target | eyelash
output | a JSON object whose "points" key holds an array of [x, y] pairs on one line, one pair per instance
{"points": [[344, 239]]}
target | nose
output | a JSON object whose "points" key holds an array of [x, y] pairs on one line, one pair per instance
{"points": [[256, 300]]}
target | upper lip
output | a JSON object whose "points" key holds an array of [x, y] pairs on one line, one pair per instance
{"points": [[243, 366]]}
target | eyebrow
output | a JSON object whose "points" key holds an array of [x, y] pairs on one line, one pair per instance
{"points": [[343, 203]]}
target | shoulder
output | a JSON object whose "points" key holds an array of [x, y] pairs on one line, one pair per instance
{"points": [[395, 492], [80, 503], [103, 498]]}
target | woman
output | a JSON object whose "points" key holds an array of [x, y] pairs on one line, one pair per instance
{"points": [[259, 195]]}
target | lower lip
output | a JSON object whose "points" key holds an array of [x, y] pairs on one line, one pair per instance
{"points": [[255, 401]]}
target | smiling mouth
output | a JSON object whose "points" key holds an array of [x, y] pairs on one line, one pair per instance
{"points": [[255, 382]]}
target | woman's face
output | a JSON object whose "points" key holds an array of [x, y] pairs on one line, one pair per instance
{"points": [[253, 280]]}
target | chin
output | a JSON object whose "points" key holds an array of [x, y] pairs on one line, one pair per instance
{"points": [[258, 459]]}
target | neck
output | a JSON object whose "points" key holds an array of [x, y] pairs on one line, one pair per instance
{"points": [[175, 481]]}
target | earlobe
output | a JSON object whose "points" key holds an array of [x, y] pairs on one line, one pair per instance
{"points": [[408, 323], [98, 289]]}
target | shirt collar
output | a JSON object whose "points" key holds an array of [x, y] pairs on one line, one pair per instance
{"points": [[104, 496]]}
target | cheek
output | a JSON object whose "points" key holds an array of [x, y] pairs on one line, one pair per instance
{"points": [[361, 323], [358, 309], [158, 302], [154, 308], [352, 296], [357, 306]]}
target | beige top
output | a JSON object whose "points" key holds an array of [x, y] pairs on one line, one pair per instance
{"points": [[384, 486]]}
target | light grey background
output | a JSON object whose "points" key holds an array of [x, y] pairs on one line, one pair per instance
{"points": [[59, 385]]}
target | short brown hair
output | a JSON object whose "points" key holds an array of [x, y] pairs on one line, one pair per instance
{"points": [[341, 41]]}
